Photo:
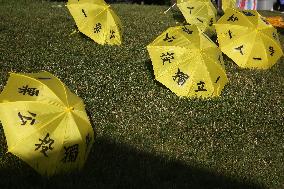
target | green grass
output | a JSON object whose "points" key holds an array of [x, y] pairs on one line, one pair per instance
{"points": [[146, 136]]}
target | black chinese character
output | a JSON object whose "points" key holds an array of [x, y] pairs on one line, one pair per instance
{"points": [[200, 86], [180, 77], [98, 28], [264, 20], [167, 57], [211, 22], [240, 49], [232, 18], [169, 39], [30, 91], [25, 119], [257, 58], [84, 13], [218, 78], [230, 34], [190, 8], [186, 30], [45, 145], [112, 34], [71, 153], [199, 20], [271, 50], [248, 13]]}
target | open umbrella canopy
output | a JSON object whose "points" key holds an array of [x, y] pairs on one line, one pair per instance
{"points": [[198, 12], [44, 123], [96, 20], [187, 62], [248, 39]]}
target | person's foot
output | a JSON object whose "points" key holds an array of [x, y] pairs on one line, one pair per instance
{"points": [[276, 6], [281, 8]]}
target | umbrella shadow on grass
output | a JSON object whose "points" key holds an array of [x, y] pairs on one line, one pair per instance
{"points": [[113, 165], [280, 31], [178, 17], [85, 37]]}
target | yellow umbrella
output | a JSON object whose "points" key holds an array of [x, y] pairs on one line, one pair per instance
{"points": [[44, 123], [248, 39], [187, 62], [198, 12], [96, 20], [229, 4]]}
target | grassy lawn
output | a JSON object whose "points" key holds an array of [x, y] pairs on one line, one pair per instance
{"points": [[146, 136]]}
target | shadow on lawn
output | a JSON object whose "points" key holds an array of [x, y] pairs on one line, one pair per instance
{"points": [[178, 17], [112, 165]]}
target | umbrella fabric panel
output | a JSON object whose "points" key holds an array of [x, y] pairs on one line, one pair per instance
{"points": [[228, 33], [73, 151], [41, 149], [52, 82], [239, 50], [265, 52], [181, 36], [215, 67], [86, 132], [165, 58], [82, 13], [178, 79], [234, 17], [26, 88], [114, 28], [22, 119]]}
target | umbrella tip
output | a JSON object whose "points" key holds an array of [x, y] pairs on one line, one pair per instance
{"points": [[69, 109]]}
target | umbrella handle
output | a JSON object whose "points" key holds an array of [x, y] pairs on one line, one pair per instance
{"points": [[169, 8]]}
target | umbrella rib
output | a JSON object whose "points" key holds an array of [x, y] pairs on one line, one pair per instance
{"points": [[246, 62], [218, 65], [188, 40], [221, 68], [206, 68], [87, 123], [266, 55], [102, 11], [203, 6], [64, 88], [58, 155]]}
